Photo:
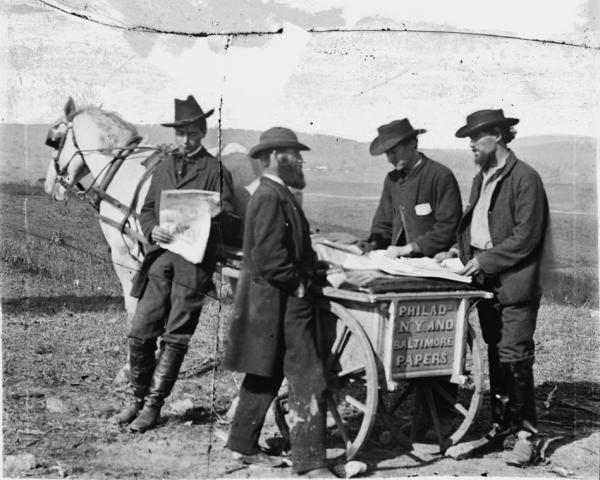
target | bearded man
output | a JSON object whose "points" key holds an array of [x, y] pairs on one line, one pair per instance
{"points": [[502, 238], [271, 333]]}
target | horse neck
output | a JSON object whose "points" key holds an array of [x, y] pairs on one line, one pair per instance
{"points": [[123, 184]]}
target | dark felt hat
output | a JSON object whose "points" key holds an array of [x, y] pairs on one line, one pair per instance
{"points": [[482, 119], [187, 112], [391, 134], [277, 137]]}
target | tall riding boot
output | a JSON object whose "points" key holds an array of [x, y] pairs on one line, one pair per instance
{"points": [[141, 366], [499, 387], [163, 380], [523, 411]]}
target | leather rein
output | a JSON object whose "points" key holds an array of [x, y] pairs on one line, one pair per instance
{"points": [[98, 191]]}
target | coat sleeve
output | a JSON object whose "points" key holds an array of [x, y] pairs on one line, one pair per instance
{"points": [[530, 218], [148, 218], [229, 221], [382, 226], [447, 212], [271, 254]]}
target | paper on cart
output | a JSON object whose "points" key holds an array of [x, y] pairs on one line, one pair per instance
{"points": [[187, 214], [414, 267]]}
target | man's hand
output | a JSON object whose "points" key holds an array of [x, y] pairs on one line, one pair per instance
{"points": [[395, 252], [441, 256], [471, 268], [161, 235], [365, 245]]}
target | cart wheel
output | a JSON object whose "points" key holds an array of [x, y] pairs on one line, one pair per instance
{"points": [[432, 411], [351, 373], [352, 389]]}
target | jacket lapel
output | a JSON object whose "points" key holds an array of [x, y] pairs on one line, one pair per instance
{"points": [[193, 169]]}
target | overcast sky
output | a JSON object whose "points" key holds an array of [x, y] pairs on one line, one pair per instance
{"points": [[337, 83]]}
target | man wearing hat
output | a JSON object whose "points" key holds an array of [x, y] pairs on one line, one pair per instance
{"points": [[170, 289], [420, 204], [502, 239], [271, 332]]}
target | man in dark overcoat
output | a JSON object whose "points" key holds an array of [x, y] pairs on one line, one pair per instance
{"points": [[171, 290], [502, 238], [420, 205], [272, 327]]}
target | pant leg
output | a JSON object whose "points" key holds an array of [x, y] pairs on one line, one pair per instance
{"points": [[518, 326], [490, 319], [190, 283], [304, 371], [155, 302], [255, 397]]}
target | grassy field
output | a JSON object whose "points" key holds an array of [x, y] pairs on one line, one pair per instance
{"points": [[63, 338]]}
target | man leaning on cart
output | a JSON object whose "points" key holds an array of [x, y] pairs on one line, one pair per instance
{"points": [[420, 205], [419, 209], [502, 239]]}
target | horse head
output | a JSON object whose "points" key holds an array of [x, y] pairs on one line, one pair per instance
{"points": [[83, 141]]}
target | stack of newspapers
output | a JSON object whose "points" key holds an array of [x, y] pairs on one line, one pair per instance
{"points": [[351, 258]]}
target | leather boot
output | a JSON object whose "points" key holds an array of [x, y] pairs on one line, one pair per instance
{"points": [[141, 366], [163, 380], [500, 377], [523, 411]]}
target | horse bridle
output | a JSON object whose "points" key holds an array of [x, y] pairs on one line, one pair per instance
{"points": [[56, 139]]}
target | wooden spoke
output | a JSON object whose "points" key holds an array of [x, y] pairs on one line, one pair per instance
{"points": [[351, 372], [355, 403], [462, 410], [339, 422], [434, 414]]}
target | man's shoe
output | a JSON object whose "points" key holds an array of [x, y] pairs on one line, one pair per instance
{"points": [[147, 419], [259, 458], [526, 450], [128, 414]]}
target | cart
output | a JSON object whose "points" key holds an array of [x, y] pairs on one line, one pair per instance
{"points": [[401, 365]]}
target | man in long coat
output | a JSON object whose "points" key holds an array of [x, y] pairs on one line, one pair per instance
{"points": [[171, 289], [420, 205], [271, 332], [502, 238]]}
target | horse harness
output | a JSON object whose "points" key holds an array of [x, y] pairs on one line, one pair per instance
{"points": [[56, 139]]}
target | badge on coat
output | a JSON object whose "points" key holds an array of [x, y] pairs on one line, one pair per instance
{"points": [[423, 209]]}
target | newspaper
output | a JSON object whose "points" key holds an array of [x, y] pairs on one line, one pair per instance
{"points": [[376, 260], [187, 214]]}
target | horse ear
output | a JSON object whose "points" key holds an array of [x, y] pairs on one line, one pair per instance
{"points": [[70, 109]]}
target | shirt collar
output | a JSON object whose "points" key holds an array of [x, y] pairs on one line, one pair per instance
{"points": [[275, 178]]}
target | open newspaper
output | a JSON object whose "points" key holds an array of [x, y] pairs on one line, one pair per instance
{"points": [[186, 214], [376, 260]]}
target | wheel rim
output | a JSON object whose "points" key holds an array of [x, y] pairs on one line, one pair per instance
{"points": [[351, 373], [430, 394]]}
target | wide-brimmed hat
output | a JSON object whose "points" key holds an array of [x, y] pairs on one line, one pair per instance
{"points": [[482, 119], [391, 134], [277, 137], [187, 112]]}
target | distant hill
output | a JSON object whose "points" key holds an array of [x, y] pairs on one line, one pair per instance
{"points": [[558, 158]]}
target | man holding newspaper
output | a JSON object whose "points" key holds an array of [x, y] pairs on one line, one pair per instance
{"points": [[170, 287]]}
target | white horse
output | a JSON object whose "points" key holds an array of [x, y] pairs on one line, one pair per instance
{"points": [[88, 140], [92, 141]]}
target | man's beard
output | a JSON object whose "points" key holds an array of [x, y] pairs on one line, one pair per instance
{"points": [[291, 175], [486, 160]]}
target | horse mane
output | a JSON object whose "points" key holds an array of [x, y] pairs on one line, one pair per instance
{"points": [[115, 132]]}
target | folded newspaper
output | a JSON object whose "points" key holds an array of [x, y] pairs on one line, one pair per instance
{"points": [[186, 214], [376, 260]]}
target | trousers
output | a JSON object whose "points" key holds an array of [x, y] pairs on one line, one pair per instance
{"points": [[171, 302], [304, 371]]}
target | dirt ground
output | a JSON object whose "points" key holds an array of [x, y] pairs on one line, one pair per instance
{"points": [[61, 353], [63, 341]]}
